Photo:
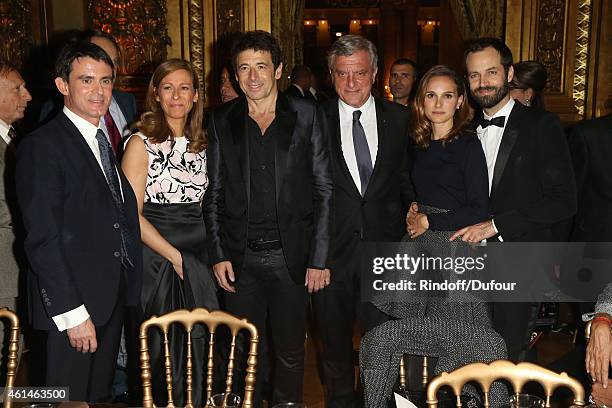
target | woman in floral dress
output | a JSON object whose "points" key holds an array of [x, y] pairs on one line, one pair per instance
{"points": [[165, 162]]}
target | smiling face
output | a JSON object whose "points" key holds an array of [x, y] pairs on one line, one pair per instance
{"points": [[14, 97], [487, 78], [441, 100], [88, 91], [176, 95], [256, 74], [353, 76]]}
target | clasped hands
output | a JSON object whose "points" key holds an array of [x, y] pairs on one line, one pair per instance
{"points": [[316, 279], [417, 223]]}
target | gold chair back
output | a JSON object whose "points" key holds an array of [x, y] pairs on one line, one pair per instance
{"points": [[189, 319], [424, 372], [13, 348], [516, 374], [587, 330]]}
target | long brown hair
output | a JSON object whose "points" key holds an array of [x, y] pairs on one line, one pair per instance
{"points": [[153, 123], [421, 126]]}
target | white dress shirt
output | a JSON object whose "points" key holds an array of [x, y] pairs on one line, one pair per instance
{"points": [[4, 129], [118, 118], [370, 127], [490, 138], [76, 316]]}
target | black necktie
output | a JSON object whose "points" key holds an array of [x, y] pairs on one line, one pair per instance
{"points": [[498, 121], [11, 133], [109, 165], [362, 152]]}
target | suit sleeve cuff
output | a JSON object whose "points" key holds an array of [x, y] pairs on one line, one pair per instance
{"points": [[499, 237], [71, 318]]}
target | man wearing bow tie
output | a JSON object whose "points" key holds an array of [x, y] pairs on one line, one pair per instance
{"points": [[531, 182], [14, 98]]}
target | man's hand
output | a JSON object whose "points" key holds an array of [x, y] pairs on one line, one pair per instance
{"points": [[413, 211], [225, 274], [316, 279], [418, 225], [475, 233], [599, 353], [83, 337], [601, 395]]}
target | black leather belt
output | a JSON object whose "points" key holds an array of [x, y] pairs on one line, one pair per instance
{"points": [[257, 245]]}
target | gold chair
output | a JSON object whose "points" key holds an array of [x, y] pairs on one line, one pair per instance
{"points": [[516, 374], [424, 373], [13, 349], [188, 319]]}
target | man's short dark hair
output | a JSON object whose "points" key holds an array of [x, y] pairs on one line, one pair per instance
{"points": [[298, 72], [81, 49], [479, 44], [257, 40], [406, 61], [6, 67]]}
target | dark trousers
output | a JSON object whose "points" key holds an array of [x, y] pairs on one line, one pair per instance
{"points": [[515, 322], [265, 293], [89, 376], [337, 307]]}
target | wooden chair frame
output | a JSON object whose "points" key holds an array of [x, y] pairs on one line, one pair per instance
{"points": [[13, 350], [188, 319], [516, 374]]}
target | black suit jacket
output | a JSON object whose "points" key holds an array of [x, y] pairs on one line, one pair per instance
{"points": [[379, 215], [303, 185], [533, 184], [591, 150], [73, 239]]}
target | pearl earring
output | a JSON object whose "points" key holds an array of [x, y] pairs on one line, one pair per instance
{"points": [[527, 102]]}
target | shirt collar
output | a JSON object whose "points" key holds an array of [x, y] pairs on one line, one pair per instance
{"points": [[505, 111], [86, 129], [4, 128], [299, 88], [348, 109]]}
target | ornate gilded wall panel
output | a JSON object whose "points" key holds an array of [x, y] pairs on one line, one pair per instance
{"points": [[549, 51], [15, 30], [196, 37], [582, 51], [229, 17], [479, 18], [139, 26]]}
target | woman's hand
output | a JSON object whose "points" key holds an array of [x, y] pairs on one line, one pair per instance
{"points": [[417, 225], [177, 263], [599, 352]]}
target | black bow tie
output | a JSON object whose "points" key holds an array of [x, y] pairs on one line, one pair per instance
{"points": [[498, 121]]}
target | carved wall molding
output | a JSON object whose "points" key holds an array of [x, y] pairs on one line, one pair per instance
{"points": [[196, 37], [549, 51], [479, 18], [229, 17], [582, 54], [15, 30], [139, 26]]}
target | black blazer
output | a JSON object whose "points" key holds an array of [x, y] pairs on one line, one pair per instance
{"points": [[533, 184], [380, 215], [591, 149], [303, 185], [72, 233]]}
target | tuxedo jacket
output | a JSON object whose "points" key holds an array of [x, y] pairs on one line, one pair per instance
{"points": [[302, 178], [9, 251], [73, 239], [126, 101], [533, 184], [380, 215], [591, 149]]}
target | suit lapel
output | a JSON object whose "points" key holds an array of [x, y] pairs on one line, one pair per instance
{"points": [[381, 125], [511, 132], [238, 117], [333, 120], [285, 120]]}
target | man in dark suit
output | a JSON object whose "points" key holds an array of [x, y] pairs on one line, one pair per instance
{"points": [[14, 98], [267, 207], [82, 233], [301, 81], [369, 147], [122, 110], [531, 183], [591, 148]]}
